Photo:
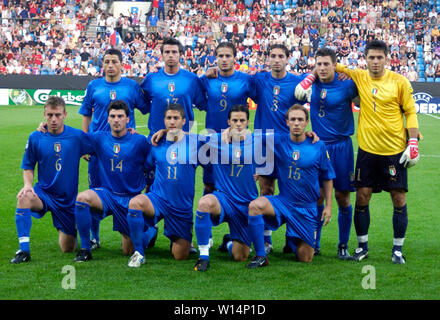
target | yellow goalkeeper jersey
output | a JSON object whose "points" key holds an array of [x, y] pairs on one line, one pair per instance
{"points": [[384, 101]]}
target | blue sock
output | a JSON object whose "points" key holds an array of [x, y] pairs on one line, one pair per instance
{"points": [[344, 222], [291, 243], [256, 232], [319, 227], [229, 247], [202, 228], [95, 228], [400, 224], [149, 234], [23, 221], [83, 221], [267, 236], [362, 224], [135, 221]]}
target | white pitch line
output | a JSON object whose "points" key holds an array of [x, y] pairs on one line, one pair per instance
{"points": [[431, 115]]}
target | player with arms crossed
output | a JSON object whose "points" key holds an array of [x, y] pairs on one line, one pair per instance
{"points": [[99, 94], [235, 188], [386, 148], [171, 195], [57, 153], [122, 160], [299, 165], [332, 120]]}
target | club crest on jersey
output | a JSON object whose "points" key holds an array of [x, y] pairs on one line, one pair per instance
{"points": [[112, 94], [374, 91], [116, 148], [173, 155], [237, 153], [171, 87], [56, 147], [224, 87], [295, 155], [323, 94], [276, 90], [392, 170]]}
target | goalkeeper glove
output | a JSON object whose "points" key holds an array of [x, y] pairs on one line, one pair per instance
{"points": [[303, 90], [411, 155]]}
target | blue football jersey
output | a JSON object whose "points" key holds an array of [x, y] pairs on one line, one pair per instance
{"points": [[57, 157], [175, 174], [273, 98], [100, 94], [300, 166], [222, 94], [161, 89], [234, 168], [330, 109], [122, 161]]}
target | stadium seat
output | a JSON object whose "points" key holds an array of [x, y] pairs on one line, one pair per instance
{"points": [[437, 80], [421, 74], [421, 80], [430, 79]]}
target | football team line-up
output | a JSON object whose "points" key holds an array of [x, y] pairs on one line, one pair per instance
{"points": [[141, 180]]}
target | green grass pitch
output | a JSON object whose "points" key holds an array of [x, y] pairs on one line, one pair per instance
{"points": [[109, 277]]}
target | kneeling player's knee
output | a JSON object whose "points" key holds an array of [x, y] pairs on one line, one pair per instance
{"points": [[305, 258], [24, 200], [83, 197], [135, 204], [205, 204], [240, 256], [256, 207]]}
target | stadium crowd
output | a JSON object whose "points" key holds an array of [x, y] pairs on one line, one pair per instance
{"points": [[50, 36]]}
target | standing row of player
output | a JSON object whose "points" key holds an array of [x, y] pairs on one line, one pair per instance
{"points": [[169, 96]]}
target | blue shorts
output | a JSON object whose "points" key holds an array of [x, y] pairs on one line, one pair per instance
{"points": [[236, 215], [149, 174], [63, 217], [301, 222], [93, 171], [177, 224], [208, 176], [342, 159], [114, 205]]}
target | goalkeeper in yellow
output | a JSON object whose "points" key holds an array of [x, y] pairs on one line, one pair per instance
{"points": [[386, 147]]}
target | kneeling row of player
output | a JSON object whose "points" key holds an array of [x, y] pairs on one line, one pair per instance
{"points": [[124, 158]]}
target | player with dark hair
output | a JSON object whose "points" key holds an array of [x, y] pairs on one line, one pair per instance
{"points": [[171, 195], [122, 160], [235, 188], [99, 94], [171, 85], [332, 120], [229, 88], [274, 96], [57, 153], [386, 147], [300, 165]]}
